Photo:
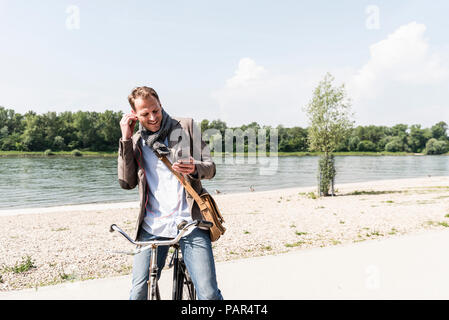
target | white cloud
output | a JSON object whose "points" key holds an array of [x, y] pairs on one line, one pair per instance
{"points": [[247, 73], [403, 80], [254, 93], [404, 57]]}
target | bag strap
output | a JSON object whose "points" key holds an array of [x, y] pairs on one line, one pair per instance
{"points": [[184, 182]]}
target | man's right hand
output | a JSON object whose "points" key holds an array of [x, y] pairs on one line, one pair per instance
{"points": [[127, 125]]}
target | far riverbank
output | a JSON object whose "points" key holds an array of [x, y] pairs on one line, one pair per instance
{"points": [[223, 154]]}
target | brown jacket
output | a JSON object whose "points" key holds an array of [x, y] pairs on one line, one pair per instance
{"points": [[131, 172]]}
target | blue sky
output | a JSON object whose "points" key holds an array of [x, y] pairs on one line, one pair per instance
{"points": [[239, 61]]}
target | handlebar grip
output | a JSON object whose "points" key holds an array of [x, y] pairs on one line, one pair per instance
{"points": [[114, 227], [182, 224]]}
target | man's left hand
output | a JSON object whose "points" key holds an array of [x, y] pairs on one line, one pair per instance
{"points": [[185, 166]]}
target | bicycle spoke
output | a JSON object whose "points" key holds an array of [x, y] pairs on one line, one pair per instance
{"points": [[188, 288]]}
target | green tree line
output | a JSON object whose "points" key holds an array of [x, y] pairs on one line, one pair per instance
{"points": [[100, 131], [93, 131], [398, 138]]}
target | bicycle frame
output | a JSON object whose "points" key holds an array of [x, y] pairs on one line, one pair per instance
{"points": [[180, 273], [153, 288]]}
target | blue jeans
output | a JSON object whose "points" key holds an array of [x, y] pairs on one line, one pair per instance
{"points": [[196, 250]]}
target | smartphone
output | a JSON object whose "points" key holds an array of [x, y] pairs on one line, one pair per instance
{"points": [[187, 161]]}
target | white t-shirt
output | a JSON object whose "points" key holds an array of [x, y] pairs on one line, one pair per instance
{"points": [[167, 205]]}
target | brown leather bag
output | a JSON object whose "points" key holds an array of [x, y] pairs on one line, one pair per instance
{"points": [[208, 207], [212, 214]]}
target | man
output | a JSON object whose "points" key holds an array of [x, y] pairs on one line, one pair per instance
{"points": [[163, 201]]}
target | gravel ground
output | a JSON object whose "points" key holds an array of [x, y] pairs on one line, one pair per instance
{"points": [[49, 248]]}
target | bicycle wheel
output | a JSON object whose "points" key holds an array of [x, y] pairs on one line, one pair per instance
{"points": [[189, 292], [185, 289]]}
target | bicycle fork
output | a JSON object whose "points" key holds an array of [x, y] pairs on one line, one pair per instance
{"points": [[153, 288]]}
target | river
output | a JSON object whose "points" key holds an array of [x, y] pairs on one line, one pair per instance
{"points": [[56, 181]]}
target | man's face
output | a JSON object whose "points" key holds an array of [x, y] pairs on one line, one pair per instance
{"points": [[149, 113]]}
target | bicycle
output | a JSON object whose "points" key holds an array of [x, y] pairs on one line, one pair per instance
{"points": [[183, 286]]}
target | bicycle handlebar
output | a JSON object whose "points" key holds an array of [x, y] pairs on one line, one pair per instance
{"points": [[202, 224]]}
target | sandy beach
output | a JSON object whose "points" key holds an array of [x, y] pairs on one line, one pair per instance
{"points": [[47, 246]]}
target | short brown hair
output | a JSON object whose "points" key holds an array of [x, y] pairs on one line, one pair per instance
{"points": [[144, 93]]}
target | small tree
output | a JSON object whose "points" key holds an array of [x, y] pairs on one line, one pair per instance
{"points": [[439, 131], [434, 146], [329, 114], [366, 145], [58, 143], [396, 144]]}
